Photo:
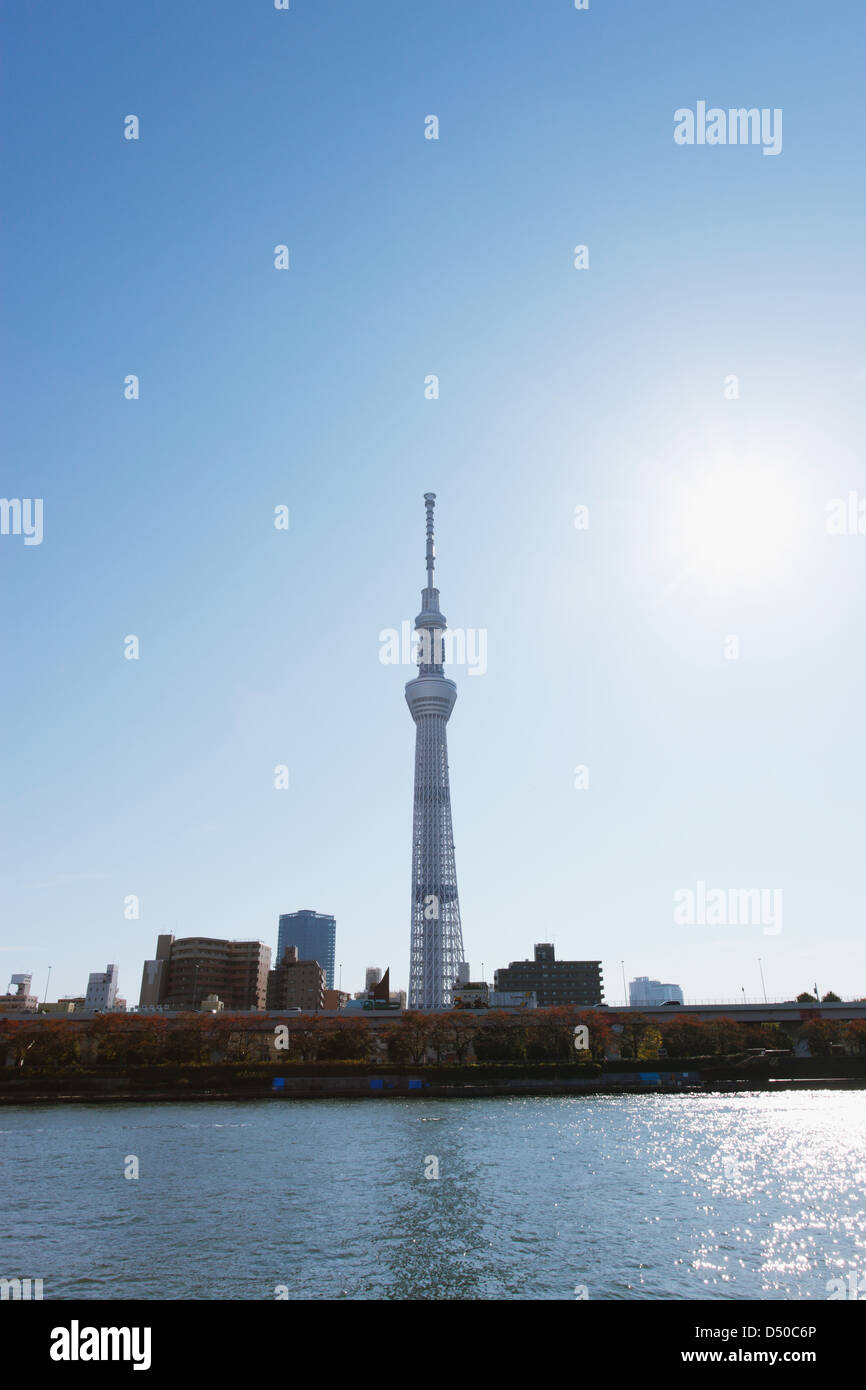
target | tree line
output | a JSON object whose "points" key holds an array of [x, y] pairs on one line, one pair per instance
{"points": [[542, 1035]]}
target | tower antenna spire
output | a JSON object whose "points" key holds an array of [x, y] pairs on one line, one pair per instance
{"points": [[430, 503]]}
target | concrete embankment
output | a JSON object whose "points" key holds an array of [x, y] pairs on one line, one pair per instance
{"points": [[202, 1083]]}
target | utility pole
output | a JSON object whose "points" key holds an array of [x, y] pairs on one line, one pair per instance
{"points": [[763, 986]]}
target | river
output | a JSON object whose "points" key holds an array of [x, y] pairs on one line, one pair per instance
{"points": [[746, 1195]]}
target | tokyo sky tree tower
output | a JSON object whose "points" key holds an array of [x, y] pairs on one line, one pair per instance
{"points": [[437, 938]]}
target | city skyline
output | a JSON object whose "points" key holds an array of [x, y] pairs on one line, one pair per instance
{"points": [[706, 512]]}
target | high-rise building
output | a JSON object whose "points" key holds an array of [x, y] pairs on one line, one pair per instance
{"points": [[553, 982], [186, 971], [314, 934], [437, 937], [643, 991], [102, 989]]}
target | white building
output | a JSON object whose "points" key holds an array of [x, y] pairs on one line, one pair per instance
{"points": [[102, 990], [513, 999], [22, 1001], [643, 992]]}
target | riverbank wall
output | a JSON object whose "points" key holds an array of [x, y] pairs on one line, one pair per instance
{"points": [[366, 1081]]}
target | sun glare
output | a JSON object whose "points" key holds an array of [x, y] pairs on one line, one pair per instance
{"points": [[739, 527]]}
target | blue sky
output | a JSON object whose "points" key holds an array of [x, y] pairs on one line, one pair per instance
{"points": [[559, 387]]}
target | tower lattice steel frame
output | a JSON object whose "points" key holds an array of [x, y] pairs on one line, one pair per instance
{"points": [[437, 937]]}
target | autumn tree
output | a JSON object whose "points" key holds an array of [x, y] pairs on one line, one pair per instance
{"points": [[409, 1039], [726, 1035], [635, 1028], [460, 1030], [45, 1044], [111, 1036], [149, 1041], [685, 1036], [306, 1035], [550, 1034], [15, 1041], [600, 1034], [344, 1040], [500, 1038], [440, 1036], [186, 1038], [822, 1036]]}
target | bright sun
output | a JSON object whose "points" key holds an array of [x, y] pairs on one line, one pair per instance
{"points": [[734, 526]]}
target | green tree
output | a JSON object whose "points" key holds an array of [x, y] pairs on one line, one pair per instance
{"points": [[635, 1028], [500, 1038]]}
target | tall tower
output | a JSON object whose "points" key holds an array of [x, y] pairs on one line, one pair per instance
{"points": [[437, 938]]}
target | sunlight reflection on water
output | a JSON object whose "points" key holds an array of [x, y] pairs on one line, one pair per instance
{"points": [[712, 1197]]}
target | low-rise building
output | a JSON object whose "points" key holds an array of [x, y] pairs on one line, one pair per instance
{"points": [[102, 990], [472, 994], [336, 998], [296, 984], [21, 1001], [553, 982], [512, 999]]}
